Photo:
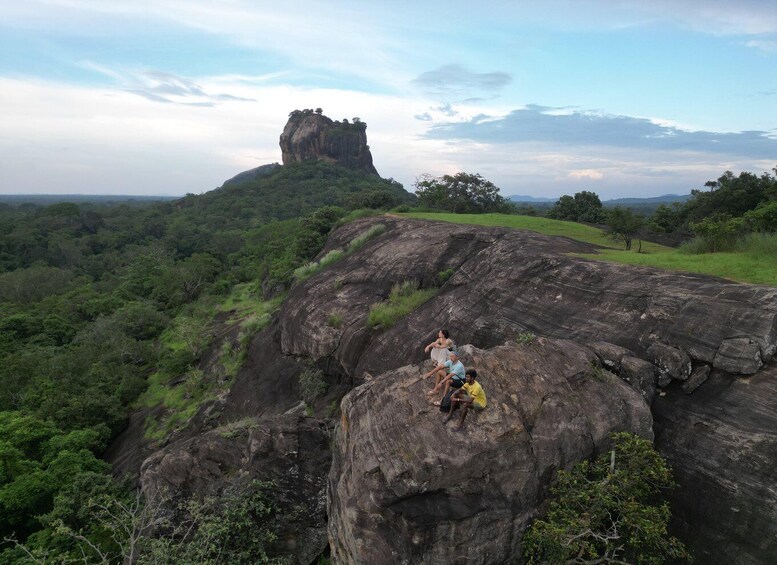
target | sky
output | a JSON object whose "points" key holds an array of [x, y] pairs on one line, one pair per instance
{"points": [[166, 97]]}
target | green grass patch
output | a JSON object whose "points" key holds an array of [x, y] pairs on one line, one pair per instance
{"points": [[363, 238], [357, 214], [403, 299], [309, 269], [740, 267], [754, 262], [247, 304]]}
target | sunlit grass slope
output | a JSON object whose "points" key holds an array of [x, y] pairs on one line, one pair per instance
{"points": [[745, 266]]}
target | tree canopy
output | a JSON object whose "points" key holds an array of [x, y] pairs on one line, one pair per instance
{"points": [[584, 206], [609, 511], [462, 193]]}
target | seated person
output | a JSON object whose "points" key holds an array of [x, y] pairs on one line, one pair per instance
{"points": [[448, 374], [469, 395], [439, 347]]}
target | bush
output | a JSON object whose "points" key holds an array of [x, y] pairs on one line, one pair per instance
{"points": [[608, 511], [718, 232], [525, 337], [443, 276], [335, 321], [312, 384], [403, 299]]}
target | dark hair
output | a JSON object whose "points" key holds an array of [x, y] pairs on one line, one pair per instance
{"points": [[472, 373], [446, 333]]}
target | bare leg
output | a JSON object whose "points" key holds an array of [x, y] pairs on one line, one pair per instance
{"points": [[454, 399], [439, 376], [464, 403]]}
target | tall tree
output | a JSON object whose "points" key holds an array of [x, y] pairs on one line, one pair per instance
{"points": [[585, 206], [623, 225], [462, 193]]}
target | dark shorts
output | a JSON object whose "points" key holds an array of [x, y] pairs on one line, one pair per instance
{"points": [[456, 383]]}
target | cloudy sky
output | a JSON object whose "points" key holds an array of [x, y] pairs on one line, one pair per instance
{"points": [[165, 97]]}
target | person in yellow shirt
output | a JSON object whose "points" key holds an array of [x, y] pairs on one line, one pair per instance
{"points": [[471, 395]]}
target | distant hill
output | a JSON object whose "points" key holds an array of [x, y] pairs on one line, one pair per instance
{"points": [[665, 199], [653, 200], [524, 198], [46, 199]]}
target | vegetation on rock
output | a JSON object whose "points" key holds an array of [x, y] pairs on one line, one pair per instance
{"points": [[608, 511], [403, 299]]}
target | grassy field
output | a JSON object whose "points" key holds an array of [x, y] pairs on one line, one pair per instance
{"points": [[745, 267]]}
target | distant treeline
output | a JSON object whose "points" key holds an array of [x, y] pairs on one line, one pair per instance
{"points": [[46, 199]]}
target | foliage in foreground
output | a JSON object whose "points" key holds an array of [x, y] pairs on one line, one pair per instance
{"points": [[240, 526], [609, 511]]}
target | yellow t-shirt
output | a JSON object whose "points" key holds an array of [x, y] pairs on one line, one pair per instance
{"points": [[477, 393]]}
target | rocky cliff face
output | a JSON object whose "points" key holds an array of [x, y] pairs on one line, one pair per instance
{"points": [[405, 488], [308, 135], [700, 349]]}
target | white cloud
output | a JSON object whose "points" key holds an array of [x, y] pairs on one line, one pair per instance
{"points": [[590, 174], [767, 46]]}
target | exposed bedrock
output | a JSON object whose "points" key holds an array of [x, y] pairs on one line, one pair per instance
{"points": [[722, 444], [291, 451], [313, 136], [703, 342], [506, 282], [660, 328], [404, 488]]}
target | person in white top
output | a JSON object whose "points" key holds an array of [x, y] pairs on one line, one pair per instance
{"points": [[439, 347]]}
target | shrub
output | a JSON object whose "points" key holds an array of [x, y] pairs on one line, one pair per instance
{"points": [[305, 270], [718, 232], [335, 321], [608, 511], [525, 337], [312, 384], [443, 276], [332, 409], [403, 299]]}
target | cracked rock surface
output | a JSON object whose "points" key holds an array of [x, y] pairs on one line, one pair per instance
{"points": [[405, 488]]}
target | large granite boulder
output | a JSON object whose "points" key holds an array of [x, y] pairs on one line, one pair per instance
{"points": [[308, 135], [722, 444], [405, 488], [291, 451], [506, 282], [643, 323]]}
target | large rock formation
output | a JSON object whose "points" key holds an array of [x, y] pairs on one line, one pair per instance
{"points": [[405, 488], [653, 328], [309, 135], [291, 451], [722, 443], [508, 282]]}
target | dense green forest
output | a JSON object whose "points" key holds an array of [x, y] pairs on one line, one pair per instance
{"points": [[100, 302]]}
